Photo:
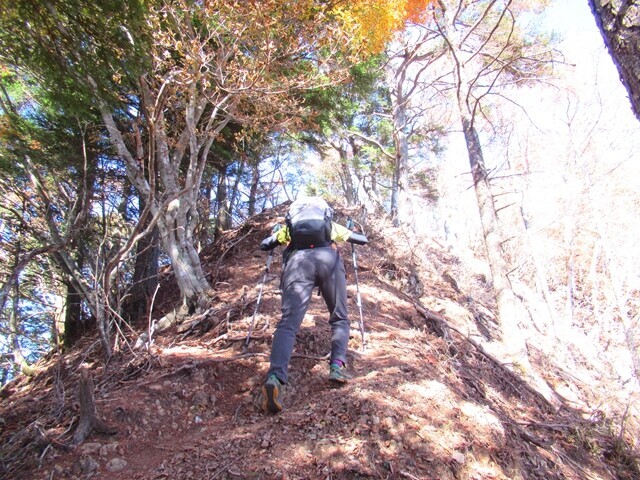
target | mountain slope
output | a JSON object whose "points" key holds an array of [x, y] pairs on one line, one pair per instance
{"points": [[424, 403]]}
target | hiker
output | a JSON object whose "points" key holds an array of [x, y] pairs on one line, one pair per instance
{"points": [[310, 259]]}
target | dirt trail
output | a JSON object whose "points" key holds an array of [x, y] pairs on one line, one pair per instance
{"points": [[423, 403]]}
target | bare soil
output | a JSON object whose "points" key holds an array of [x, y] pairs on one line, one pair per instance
{"points": [[423, 403]]}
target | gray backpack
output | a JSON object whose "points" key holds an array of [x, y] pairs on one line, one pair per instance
{"points": [[309, 223]]}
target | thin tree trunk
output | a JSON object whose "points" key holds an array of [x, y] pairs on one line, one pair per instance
{"points": [[404, 207], [539, 270], [401, 205], [222, 207], [253, 190], [570, 275], [19, 360], [345, 176], [205, 213], [233, 200], [57, 328]]}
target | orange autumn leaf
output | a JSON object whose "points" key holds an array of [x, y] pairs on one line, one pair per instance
{"points": [[373, 22]]}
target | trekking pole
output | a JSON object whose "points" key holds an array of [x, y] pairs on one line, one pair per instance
{"points": [[355, 269], [264, 279]]}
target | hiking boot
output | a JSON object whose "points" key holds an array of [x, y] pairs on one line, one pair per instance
{"points": [[338, 374], [272, 391]]}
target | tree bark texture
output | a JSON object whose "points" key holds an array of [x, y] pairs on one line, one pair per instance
{"points": [[344, 174], [222, 202], [253, 190], [145, 274], [619, 23], [509, 312], [400, 200], [73, 324], [177, 227], [20, 362]]}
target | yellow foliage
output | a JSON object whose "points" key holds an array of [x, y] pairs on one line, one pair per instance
{"points": [[373, 22]]}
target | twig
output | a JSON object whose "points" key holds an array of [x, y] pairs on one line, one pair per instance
{"points": [[408, 475], [222, 469], [236, 413], [44, 453]]}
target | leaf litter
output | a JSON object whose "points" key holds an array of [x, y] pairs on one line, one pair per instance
{"points": [[424, 402]]}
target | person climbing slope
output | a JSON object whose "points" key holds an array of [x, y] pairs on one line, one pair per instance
{"points": [[310, 259]]}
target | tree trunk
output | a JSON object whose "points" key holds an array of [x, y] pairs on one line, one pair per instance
{"points": [[178, 242], [619, 23], [204, 210], [539, 270], [346, 179], [104, 325], [253, 190], [145, 277], [235, 192], [73, 325], [168, 175], [510, 312], [222, 207], [19, 360], [401, 205]]}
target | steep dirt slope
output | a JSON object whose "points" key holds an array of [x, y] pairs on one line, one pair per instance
{"points": [[423, 403]]}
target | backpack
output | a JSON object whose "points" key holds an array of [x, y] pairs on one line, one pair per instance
{"points": [[309, 223]]}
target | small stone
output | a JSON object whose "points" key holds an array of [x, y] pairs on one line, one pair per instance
{"points": [[197, 419], [200, 399], [116, 465], [90, 447], [198, 376], [108, 449], [88, 465], [458, 457], [58, 470]]}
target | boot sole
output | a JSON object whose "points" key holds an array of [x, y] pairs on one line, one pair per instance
{"points": [[270, 394], [341, 381]]}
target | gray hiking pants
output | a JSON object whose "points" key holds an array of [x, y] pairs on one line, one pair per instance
{"points": [[304, 270]]}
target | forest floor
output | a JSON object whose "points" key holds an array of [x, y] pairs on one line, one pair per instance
{"points": [[424, 402]]}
